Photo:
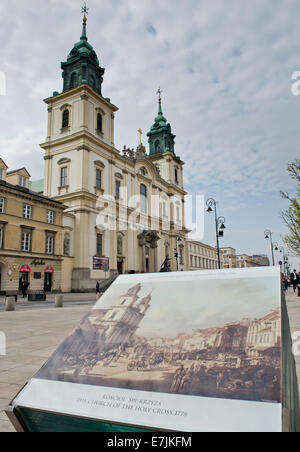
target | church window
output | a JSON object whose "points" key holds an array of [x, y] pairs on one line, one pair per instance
{"points": [[98, 179], [73, 81], [99, 250], [120, 246], [157, 146], [99, 122], [64, 176], [65, 119], [118, 187], [144, 201], [123, 302], [176, 176], [113, 315]]}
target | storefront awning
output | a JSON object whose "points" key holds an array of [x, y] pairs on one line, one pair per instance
{"points": [[25, 269], [49, 270]]}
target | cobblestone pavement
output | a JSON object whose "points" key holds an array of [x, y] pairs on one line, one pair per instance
{"points": [[33, 335]]}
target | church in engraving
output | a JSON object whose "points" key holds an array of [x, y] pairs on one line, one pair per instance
{"points": [[126, 205]]}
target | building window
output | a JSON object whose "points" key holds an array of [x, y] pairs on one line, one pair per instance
{"points": [[99, 122], [22, 181], [2, 205], [27, 211], [99, 250], [181, 258], [65, 119], [118, 187], [26, 240], [1, 236], [64, 176], [50, 217], [176, 176], [73, 82], [98, 179], [50, 240], [144, 201], [1, 173]]}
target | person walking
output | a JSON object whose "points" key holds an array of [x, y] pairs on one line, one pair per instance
{"points": [[298, 281], [294, 280], [97, 288], [23, 287], [285, 283]]}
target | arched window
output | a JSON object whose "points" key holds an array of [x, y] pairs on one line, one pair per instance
{"points": [[99, 122], [65, 118], [144, 201], [157, 146], [73, 81]]}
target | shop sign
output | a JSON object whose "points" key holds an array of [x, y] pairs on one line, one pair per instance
{"points": [[37, 263]]}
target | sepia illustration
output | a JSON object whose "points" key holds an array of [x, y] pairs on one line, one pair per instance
{"points": [[113, 345]]}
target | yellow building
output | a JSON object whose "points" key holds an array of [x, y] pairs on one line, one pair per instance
{"points": [[30, 235], [126, 206], [201, 256]]}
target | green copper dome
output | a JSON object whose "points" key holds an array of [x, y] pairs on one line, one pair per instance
{"points": [[161, 138], [82, 65]]}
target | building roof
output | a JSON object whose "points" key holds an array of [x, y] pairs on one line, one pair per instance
{"points": [[17, 171], [3, 162], [37, 186], [29, 192]]}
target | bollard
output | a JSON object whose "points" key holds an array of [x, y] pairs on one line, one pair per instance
{"points": [[10, 304], [59, 301]]}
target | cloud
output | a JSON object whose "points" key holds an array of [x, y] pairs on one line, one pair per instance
{"points": [[225, 71]]}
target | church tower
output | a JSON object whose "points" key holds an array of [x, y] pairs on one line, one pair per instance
{"points": [[122, 321], [162, 149], [80, 156]]}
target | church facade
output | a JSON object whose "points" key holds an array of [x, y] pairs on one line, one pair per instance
{"points": [[126, 206]]}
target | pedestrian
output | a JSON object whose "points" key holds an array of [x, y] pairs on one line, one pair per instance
{"points": [[298, 281], [23, 288], [294, 280], [27, 284], [285, 283], [97, 288]]}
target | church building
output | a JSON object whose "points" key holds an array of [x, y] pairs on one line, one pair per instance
{"points": [[127, 206]]}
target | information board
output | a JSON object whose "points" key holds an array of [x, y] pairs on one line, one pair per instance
{"points": [[188, 351]]}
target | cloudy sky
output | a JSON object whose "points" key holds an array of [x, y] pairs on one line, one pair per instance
{"points": [[229, 298], [225, 69]]}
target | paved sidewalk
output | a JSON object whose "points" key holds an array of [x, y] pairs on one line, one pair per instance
{"points": [[32, 336], [293, 304]]}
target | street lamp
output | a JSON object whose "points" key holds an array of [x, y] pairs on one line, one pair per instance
{"points": [[178, 240], [269, 235], [219, 222]]}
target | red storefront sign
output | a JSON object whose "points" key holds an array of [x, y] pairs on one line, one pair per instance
{"points": [[49, 270], [25, 269]]}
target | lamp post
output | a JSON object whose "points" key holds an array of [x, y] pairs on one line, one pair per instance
{"points": [[285, 260], [219, 223], [178, 240], [269, 235]]}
